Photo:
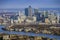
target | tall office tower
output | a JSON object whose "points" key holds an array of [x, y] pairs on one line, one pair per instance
{"points": [[35, 10], [28, 11], [58, 18], [39, 16], [45, 13], [19, 13]]}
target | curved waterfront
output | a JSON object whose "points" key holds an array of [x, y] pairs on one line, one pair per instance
{"points": [[29, 34]]}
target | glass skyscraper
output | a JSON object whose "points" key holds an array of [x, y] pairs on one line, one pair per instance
{"points": [[28, 11]]}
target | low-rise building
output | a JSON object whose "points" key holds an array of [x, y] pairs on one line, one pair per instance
{"points": [[6, 37]]}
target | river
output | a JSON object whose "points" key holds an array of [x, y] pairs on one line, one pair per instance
{"points": [[29, 33]]}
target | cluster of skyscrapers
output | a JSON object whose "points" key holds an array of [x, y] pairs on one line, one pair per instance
{"points": [[42, 16], [30, 15]]}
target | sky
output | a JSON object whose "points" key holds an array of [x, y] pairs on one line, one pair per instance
{"points": [[7, 4]]}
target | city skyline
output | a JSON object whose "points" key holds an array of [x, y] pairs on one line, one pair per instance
{"points": [[29, 19], [7, 4]]}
